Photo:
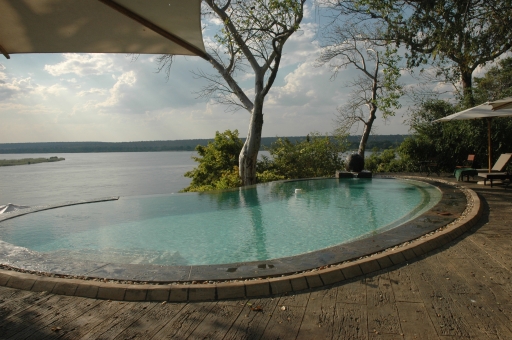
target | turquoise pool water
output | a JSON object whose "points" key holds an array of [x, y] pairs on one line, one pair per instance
{"points": [[260, 223]]}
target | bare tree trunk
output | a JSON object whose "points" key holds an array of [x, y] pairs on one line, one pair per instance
{"points": [[249, 154], [366, 131]]}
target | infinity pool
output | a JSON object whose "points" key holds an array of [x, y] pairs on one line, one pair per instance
{"points": [[264, 222]]}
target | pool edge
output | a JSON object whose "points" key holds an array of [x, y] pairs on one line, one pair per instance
{"points": [[253, 288]]}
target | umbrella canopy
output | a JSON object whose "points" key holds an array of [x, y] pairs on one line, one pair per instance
{"points": [[502, 104], [101, 26], [489, 110]]}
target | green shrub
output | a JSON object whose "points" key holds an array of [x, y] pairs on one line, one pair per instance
{"points": [[316, 156], [218, 163]]}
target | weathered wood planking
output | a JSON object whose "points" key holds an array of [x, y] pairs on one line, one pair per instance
{"points": [[184, 323], [285, 322], [217, 323], [253, 319], [318, 321], [89, 320], [106, 320]]}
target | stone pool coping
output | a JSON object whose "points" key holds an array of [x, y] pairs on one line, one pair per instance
{"points": [[451, 217]]}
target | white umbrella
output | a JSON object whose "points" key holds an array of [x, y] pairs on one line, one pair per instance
{"points": [[489, 110], [101, 26], [502, 104]]}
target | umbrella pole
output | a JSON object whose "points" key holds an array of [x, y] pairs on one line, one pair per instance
{"points": [[489, 142]]}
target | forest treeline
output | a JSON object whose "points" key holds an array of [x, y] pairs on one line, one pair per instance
{"points": [[376, 141]]}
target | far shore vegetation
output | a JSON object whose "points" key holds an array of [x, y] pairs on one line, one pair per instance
{"points": [[376, 141], [26, 161]]}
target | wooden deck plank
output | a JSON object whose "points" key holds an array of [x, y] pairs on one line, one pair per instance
{"points": [[483, 281], [183, 324], [500, 254], [378, 336], [13, 306], [318, 321], [491, 269], [350, 321], [151, 322], [218, 322], [482, 320], [443, 314], [480, 302], [415, 321], [118, 322], [506, 309], [352, 291], [252, 320], [285, 322], [88, 321], [382, 312], [60, 313], [11, 294], [36, 315], [404, 288]]}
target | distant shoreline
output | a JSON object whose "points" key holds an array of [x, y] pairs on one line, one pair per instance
{"points": [[28, 161], [379, 141]]}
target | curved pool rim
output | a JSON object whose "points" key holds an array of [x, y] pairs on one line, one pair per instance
{"points": [[449, 208]]}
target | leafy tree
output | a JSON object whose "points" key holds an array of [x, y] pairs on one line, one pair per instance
{"points": [[496, 83], [218, 163], [253, 35], [451, 142], [316, 156], [376, 88], [386, 161], [463, 33]]}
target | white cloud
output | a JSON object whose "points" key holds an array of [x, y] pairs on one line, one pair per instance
{"points": [[127, 79], [82, 65], [92, 91], [15, 87], [54, 90], [24, 109]]}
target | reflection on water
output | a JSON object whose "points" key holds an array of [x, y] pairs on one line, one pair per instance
{"points": [[249, 200]]}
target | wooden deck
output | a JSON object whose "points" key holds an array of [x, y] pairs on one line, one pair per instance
{"points": [[461, 291]]}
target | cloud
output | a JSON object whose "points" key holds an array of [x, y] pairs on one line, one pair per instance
{"points": [[53, 90], [82, 65], [92, 91], [15, 87], [24, 109], [126, 80]]}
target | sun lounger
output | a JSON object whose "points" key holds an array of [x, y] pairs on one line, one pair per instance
{"points": [[497, 172], [500, 164], [469, 163], [490, 176], [461, 172]]}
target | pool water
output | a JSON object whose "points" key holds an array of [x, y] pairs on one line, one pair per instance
{"points": [[264, 222]]}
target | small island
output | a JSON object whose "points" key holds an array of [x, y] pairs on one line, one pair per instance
{"points": [[25, 161]]}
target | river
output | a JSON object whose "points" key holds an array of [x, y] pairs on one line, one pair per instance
{"points": [[85, 176]]}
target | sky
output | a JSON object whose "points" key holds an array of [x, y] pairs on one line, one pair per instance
{"points": [[114, 98]]}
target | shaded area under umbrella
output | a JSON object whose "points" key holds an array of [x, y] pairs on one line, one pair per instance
{"points": [[488, 111], [101, 26]]}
